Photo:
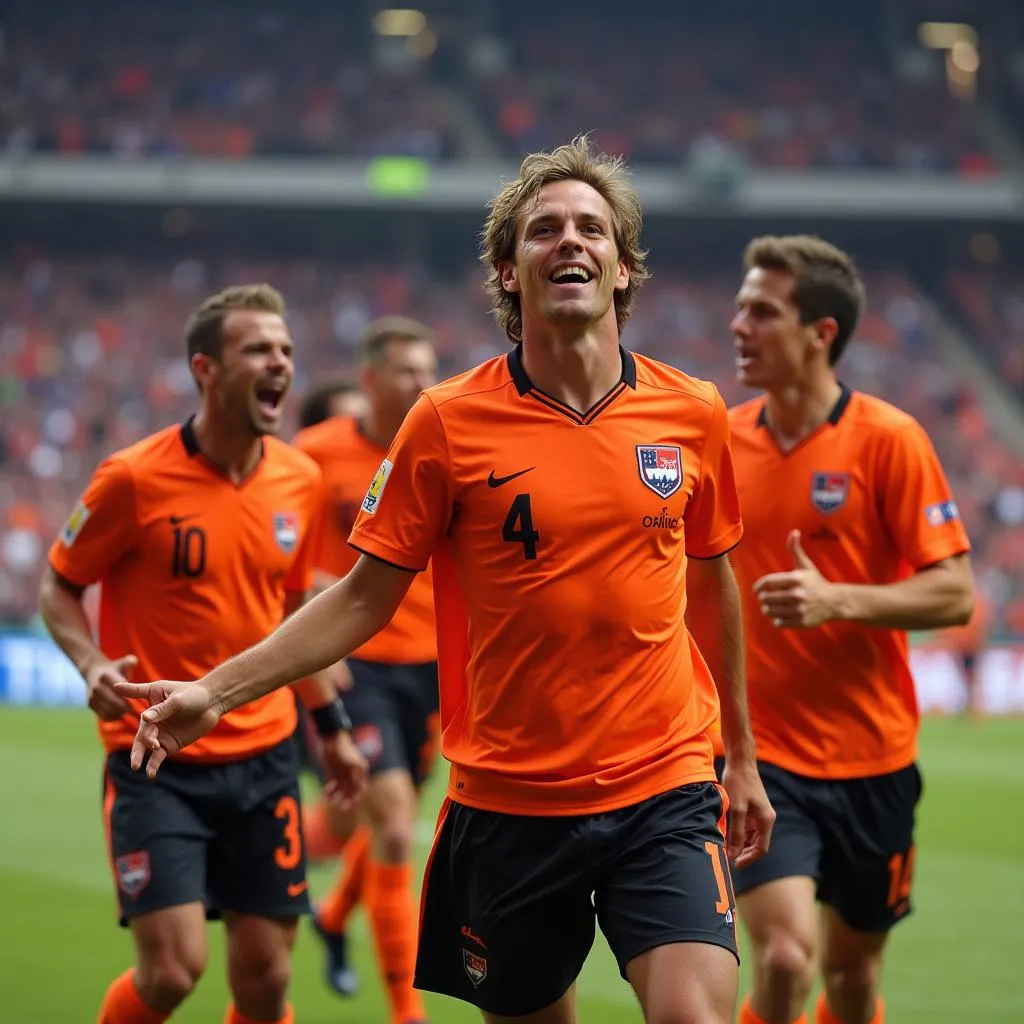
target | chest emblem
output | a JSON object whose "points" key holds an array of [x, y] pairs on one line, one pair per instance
{"points": [[661, 468], [829, 491], [286, 531]]}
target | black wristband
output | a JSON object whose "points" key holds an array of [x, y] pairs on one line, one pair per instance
{"points": [[331, 719]]}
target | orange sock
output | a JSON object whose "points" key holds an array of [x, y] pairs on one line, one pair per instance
{"points": [[747, 1015], [123, 1004], [321, 842], [823, 1015], [388, 896], [234, 1017], [333, 913]]}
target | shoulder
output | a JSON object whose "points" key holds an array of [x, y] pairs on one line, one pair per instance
{"points": [[874, 414], [151, 455], [745, 415], [485, 379], [325, 436], [654, 374], [289, 459]]}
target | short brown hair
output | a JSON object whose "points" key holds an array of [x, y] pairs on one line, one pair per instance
{"points": [[316, 406], [572, 162], [204, 331], [826, 281], [391, 328]]}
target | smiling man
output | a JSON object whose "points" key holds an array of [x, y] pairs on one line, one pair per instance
{"points": [[203, 538], [559, 492], [852, 538]]}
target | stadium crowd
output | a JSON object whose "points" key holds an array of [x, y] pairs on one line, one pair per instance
{"points": [[223, 83], [91, 359]]}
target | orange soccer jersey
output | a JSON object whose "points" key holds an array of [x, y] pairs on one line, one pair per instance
{"points": [[193, 569], [568, 681], [871, 501], [348, 459]]}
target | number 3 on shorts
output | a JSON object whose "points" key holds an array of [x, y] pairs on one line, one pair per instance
{"points": [[714, 851], [288, 856]]}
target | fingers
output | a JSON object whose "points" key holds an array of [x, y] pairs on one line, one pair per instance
{"points": [[776, 581], [735, 834], [161, 711], [133, 691], [156, 758], [126, 664], [106, 704]]}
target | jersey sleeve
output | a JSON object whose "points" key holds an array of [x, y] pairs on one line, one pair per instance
{"points": [[408, 507], [712, 519], [300, 576], [917, 501], [101, 529]]}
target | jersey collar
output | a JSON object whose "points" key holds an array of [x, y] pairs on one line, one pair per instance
{"points": [[845, 394]]}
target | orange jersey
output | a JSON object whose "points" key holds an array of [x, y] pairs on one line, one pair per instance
{"points": [[348, 459], [569, 684], [194, 569], [871, 501]]}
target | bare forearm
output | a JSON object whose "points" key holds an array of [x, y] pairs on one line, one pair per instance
{"points": [[930, 599], [715, 619], [316, 636], [65, 618]]}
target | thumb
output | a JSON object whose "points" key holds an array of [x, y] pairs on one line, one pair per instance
{"points": [[796, 549], [126, 664], [158, 712]]}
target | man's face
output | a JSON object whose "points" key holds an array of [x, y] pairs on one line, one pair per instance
{"points": [[567, 267], [772, 346], [405, 368], [254, 372]]}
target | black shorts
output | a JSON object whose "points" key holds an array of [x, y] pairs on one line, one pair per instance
{"points": [[854, 837], [227, 835], [509, 902], [394, 712]]}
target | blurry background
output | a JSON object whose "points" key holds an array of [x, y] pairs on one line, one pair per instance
{"points": [[151, 153]]}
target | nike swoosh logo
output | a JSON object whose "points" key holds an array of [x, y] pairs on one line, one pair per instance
{"points": [[497, 481], [176, 520], [297, 888]]}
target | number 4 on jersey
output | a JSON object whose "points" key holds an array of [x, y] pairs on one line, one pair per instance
{"points": [[518, 527]]}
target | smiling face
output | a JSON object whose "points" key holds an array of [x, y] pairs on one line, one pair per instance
{"points": [[250, 379], [567, 265]]}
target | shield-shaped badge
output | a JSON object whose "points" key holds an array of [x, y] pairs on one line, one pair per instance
{"points": [[286, 531], [829, 491], [661, 467]]}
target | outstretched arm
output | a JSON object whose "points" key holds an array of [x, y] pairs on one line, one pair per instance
{"points": [[317, 635]]}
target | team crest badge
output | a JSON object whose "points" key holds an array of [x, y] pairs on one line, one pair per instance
{"points": [[661, 468], [829, 491], [369, 741], [286, 531], [475, 966], [133, 873]]}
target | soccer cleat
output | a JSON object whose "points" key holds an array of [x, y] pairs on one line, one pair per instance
{"points": [[338, 972]]}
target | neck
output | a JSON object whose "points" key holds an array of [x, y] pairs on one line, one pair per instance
{"points": [[798, 409], [380, 427], [235, 452], [577, 370]]}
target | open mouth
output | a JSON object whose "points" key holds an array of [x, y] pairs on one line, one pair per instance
{"points": [[269, 400], [571, 275]]}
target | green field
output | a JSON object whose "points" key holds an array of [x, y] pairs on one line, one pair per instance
{"points": [[955, 962]]}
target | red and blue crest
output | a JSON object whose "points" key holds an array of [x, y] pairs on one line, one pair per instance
{"points": [[661, 468], [829, 491], [286, 531]]}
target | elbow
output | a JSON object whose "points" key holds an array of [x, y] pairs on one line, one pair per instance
{"points": [[962, 608]]}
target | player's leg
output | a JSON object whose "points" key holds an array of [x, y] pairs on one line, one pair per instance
{"points": [[852, 972], [393, 749], [867, 876], [686, 983], [157, 846], [507, 919], [259, 967], [665, 903], [257, 881], [777, 898]]}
